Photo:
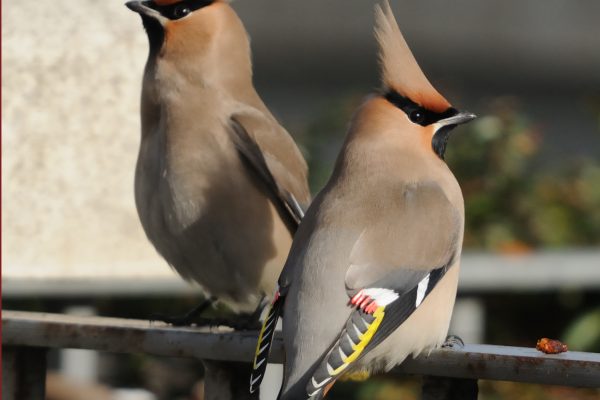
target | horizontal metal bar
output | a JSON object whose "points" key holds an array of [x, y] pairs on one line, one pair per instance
{"points": [[126, 336], [505, 363], [481, 272], [134, 336], [90, 287]]}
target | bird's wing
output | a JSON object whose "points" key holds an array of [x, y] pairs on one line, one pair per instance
{"points": [[265, 341], [272, 157], [395, 264]]}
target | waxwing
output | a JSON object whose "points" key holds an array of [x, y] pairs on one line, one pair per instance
{"points": [[220, 186], [372, 274]]}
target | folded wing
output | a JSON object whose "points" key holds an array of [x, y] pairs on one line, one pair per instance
{"points": [[396, 262]]}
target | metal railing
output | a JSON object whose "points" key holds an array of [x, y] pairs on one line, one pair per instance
{"points": [[27, 335]]}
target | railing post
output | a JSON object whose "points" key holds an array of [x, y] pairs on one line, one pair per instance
{"points": [[23, 373], [440, 388], [227, 380]]}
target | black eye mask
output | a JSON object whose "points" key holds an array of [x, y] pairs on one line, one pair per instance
{"points": [[180, 9], [422, 116], [416, 113]]}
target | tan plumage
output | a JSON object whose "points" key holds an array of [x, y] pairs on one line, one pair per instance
{"points": [[373, 269], [219, 183]]}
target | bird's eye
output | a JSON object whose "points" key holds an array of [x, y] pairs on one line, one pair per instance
{"points": [[181, 11], [417, 116]]}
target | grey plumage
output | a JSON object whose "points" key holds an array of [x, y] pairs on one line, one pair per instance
{"points": [[372, 274], [220, 185]]}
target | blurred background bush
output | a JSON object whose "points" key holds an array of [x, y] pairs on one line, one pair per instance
{"points": [[529, 167]]}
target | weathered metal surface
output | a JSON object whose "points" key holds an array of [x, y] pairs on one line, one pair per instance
{"points": [[23, 373], [126, 336], [504, 363], [130, 336]]}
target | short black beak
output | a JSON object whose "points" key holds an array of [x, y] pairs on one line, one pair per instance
{"points": [[460, 118], [139, 7], [135, 6]]}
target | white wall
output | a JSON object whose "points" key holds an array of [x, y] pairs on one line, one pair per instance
{"points": [[70, 131]]}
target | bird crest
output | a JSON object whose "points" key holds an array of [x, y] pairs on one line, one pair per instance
{"points": [[400, 71]]}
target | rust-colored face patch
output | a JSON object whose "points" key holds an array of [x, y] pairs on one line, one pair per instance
{"points": [[190, 36], [165, 2], [426, 137]]}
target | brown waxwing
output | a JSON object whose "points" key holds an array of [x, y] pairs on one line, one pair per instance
{"points": [[372, 274], [220, 186]]}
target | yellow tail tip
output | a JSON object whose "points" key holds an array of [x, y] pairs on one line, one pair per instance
{"points": [[356, 376]]}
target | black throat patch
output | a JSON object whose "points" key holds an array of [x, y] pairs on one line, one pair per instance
{"points": [[440, 140], [154, 28], [156, 34]]}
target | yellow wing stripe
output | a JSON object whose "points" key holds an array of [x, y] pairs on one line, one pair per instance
{"points": [[260, 337], [364, 341]]}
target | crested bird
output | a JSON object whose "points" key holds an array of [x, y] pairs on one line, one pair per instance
{"points": [[372, 274], [220, 185]]}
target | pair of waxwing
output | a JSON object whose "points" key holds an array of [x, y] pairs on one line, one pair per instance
{"points": [[220, 189], [220, 186], [373, 270]]}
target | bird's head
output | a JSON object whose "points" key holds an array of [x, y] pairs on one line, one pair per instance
{"points": [[193, 31], [423, 111]]}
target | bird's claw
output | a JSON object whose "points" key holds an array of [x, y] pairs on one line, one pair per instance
{"points": [[453, 342]]}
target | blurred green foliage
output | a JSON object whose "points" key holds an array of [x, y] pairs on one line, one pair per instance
{"points": [[512, 206], [584, 333]]}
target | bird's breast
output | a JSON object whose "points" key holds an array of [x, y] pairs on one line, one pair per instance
{"points": [[184, 169], [204, 213]]}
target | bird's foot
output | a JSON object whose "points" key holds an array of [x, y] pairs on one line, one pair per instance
{"points": [[453, 342], [246, 322], [188, 319], [242, 322]]}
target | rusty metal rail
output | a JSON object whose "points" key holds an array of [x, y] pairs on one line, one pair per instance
{"points": [[27, 330]]}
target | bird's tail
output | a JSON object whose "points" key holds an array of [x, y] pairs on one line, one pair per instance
{"points": [[265, 341]]}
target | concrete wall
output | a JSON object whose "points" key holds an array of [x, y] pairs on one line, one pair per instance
{"points": [[70, 131]]}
